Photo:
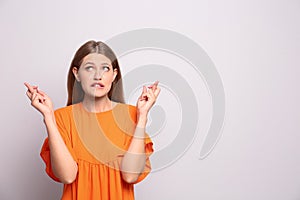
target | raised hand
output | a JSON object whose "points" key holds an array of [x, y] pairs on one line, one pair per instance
{"points": [[147, 99], [39, 99]]}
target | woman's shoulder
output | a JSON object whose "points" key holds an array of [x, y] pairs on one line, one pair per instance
{"points": [[125, 106], [126, 111], [65, 110]]}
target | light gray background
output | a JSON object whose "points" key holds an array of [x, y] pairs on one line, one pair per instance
{"points": [[255, 46]]}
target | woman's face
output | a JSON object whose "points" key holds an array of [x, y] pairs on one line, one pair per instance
{"points": [[96, 75]]}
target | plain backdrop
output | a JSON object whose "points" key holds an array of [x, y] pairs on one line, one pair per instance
{"points": [[255, 47]]}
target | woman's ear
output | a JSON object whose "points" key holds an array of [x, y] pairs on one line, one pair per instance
{"points": [[75, 72], [115, 73]]}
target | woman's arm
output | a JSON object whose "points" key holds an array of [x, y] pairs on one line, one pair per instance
{"points": [[63, 165], [134, 159]]}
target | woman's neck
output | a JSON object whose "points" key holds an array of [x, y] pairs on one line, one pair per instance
{"points": [[101, 104]]}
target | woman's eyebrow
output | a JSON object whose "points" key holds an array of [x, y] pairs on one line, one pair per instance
{"points": [[89, 63], [105, 63]]}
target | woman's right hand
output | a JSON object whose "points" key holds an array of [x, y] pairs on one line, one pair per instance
{"points": [[39, 100]]}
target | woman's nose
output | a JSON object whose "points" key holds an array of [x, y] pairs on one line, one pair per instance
{"points": [[98, 74]]}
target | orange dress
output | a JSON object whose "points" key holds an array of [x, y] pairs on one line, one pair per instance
{"points": [[97, 142]]}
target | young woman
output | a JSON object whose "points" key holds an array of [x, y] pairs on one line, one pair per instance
{"points": [[96, 145]]}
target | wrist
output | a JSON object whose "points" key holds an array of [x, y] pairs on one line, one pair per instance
{"points": [[49, 117], [142, 121]]}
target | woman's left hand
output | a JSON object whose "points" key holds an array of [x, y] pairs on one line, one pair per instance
{"points": [[147, 99]]}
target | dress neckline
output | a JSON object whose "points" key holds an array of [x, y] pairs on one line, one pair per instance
{"points": [[115, 104]]}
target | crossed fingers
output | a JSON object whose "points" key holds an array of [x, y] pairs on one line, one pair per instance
{"points": [[33, 93]]}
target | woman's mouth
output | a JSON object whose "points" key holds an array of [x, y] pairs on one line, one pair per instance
{"points": [[97, 85]]}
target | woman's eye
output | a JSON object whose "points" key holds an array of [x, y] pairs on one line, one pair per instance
{"points": [[106, 68], [89, 68]]}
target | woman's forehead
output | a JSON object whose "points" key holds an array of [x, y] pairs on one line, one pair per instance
{"points": [[96, 58]]}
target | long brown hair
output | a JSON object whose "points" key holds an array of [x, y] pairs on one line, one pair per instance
{"points": [[75, 92]]}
